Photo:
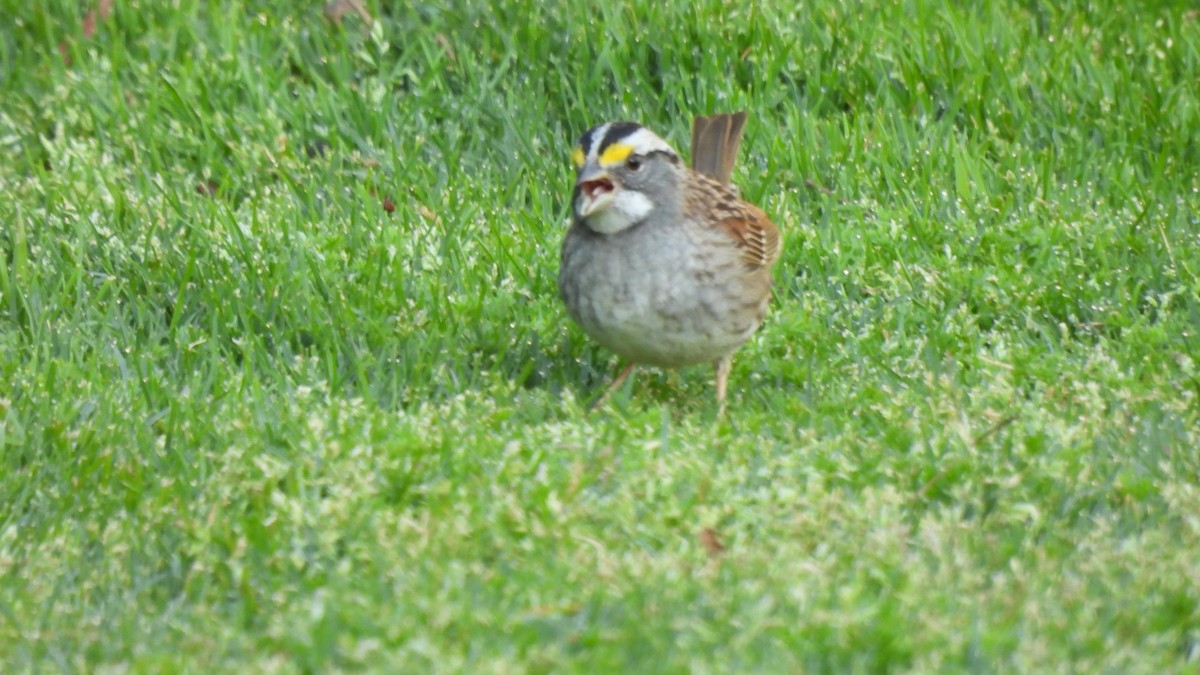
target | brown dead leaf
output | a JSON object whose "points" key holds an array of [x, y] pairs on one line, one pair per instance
{"points": [[386, 201], [428, 214], [444, 43], [711, 542], [95, 16], [334, 11], [88, 26]]}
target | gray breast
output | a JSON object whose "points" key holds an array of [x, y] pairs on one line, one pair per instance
{"points": [[659, 296]]}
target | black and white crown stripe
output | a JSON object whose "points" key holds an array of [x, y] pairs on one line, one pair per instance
{"points": [[596, 140]]}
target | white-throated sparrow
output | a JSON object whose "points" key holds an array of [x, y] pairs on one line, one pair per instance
{"points": [[664, 264]]}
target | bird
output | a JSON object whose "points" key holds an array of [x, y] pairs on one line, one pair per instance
{"points": [[665, 264]]}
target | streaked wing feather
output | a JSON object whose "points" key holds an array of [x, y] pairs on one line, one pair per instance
{"points": [[754, 234]]}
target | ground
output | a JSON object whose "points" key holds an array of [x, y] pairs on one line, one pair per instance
{"points": [[286, 386]]}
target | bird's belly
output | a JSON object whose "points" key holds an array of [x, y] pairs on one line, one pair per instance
{"points": [[663, 315], [660, 340]]}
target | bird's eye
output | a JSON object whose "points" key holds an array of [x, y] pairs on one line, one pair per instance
{"points": [[634, 163]]}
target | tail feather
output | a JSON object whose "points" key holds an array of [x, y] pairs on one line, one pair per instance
{"points": [[715, 142]]}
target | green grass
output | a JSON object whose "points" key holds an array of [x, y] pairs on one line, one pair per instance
{"points": [[285, 384]]}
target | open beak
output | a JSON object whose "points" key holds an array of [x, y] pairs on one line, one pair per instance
{"points": [[596, 191]]}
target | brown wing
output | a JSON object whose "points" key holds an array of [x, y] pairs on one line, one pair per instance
{"points": [[715, 142], [755, 235]]}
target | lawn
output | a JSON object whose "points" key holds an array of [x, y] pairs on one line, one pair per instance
{"points": [[286, 385]]}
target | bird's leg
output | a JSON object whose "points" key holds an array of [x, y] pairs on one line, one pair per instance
{"points": [[616, 384], [722, 367]]}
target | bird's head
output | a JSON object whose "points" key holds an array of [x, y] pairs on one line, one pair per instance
{"points": [[623, 173]]}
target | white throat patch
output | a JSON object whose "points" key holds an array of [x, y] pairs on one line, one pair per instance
{"points": [[628, 209]]}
